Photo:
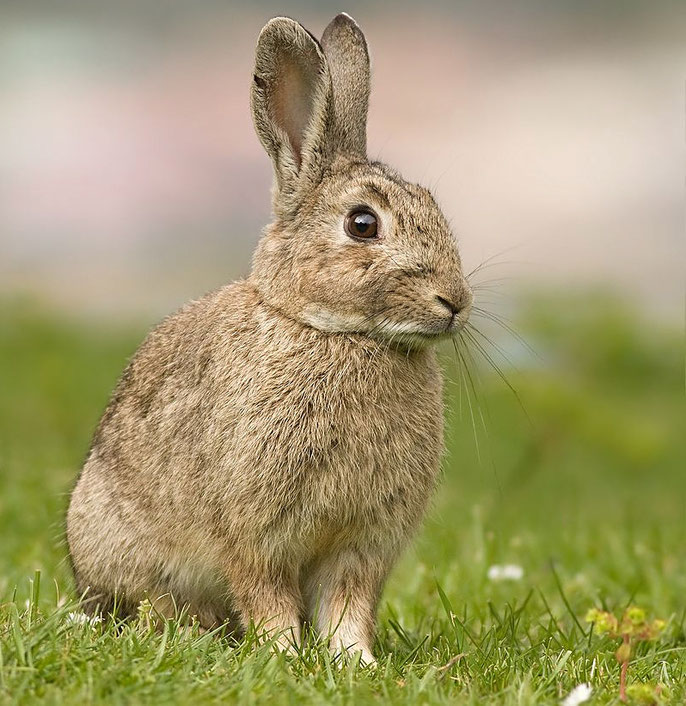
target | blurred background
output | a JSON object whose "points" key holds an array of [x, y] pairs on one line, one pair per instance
{"points": [[552, 134]]}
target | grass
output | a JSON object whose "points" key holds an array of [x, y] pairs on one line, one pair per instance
{"points": [[586, 491]]}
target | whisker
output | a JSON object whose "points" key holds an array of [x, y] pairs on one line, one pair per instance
{"points": [[496, 319], [459, 387], [493, 344], [488, 262], [484, 283], [489, 359], [462, 369], [483, 422], [475, 369], [468, 332]]}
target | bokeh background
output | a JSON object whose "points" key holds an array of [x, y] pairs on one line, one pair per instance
{"points": [[552, 134], [131, 179]]}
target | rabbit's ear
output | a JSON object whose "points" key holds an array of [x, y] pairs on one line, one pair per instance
{"points": [[292, 106], [346, 51]]}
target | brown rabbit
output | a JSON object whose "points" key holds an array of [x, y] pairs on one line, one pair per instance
{"points": [[272, 447]]}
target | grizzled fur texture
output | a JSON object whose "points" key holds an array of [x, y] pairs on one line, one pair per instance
{"points": [[272, 447]]}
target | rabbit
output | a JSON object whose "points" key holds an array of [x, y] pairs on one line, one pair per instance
{"points": [[272, 447]]}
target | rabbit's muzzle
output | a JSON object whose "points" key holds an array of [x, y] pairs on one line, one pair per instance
{"points": [[455, 307]]}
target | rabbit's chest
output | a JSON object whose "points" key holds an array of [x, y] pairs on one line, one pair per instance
{"points": [[352, 439], [366, 452]]}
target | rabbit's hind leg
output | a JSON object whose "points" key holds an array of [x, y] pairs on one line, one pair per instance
{"points": [[342, 591], [268, 598], [108, 588], [199, 595]]}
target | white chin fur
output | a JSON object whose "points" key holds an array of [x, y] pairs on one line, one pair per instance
{"points": [[324, 319], [403, 328]]}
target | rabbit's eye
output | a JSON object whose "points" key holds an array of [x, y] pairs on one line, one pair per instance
{"points": [[361, 224]]}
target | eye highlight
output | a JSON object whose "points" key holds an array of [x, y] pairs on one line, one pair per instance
{"points": [[361, 224]]}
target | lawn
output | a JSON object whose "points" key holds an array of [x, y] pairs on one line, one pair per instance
{"points": [[579, 479]]}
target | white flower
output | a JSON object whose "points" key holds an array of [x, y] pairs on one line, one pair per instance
{"points": [[578, 695], [83, 619], [505, 572]]}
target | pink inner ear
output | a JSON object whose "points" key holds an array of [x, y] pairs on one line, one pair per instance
{"points": [[292, 104]]}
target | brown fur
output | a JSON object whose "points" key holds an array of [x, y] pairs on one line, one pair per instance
{"points": [[272, 447]]}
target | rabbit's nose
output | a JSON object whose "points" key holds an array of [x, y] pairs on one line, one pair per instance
{"points": [[455, 307], [457, 300]]}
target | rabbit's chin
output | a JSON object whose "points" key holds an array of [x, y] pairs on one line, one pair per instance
{"points": [[411, 335], [406, 333]]}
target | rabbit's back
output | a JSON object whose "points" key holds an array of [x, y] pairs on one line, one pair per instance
{"points": [[236, 429]]}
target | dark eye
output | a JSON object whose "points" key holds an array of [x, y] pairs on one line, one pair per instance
{"points": [[361, 224]]}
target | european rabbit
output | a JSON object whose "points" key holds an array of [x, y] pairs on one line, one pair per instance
{"points": [[272, 447]]}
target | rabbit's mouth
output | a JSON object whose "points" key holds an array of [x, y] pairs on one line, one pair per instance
{"points": [[445, 318]]}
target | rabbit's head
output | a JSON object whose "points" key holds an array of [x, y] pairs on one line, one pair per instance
{"points": [[354, 247]]}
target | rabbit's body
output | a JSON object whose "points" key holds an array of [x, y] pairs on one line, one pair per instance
{"points": [[271, 447], [285, 465]]}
